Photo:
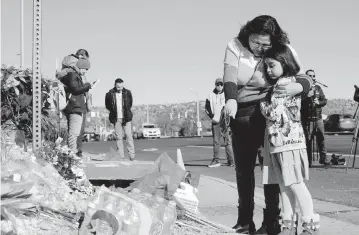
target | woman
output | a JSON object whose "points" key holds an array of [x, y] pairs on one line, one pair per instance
{"points": [[68, 65], [245, 85], [75, 109], [82, 53]]}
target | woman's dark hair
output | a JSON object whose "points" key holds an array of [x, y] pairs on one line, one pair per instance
{"points": [[82, 52], [263, 25], [284, 55]]}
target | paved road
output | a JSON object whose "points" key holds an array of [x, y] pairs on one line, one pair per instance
{"points": [[332, 184]]}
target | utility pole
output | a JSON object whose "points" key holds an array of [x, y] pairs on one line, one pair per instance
{"points": [[199, 124], [21, 33], [105, 116], [148, 116]]}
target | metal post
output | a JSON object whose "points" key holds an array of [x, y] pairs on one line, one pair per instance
{"points": [[21, 33], [36, 73], [58, 112], [105, 122], [57, 103], [199, 126]]}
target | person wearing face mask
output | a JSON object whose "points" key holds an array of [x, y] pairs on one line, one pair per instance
{"points": [[214, 104], [118, 102], [75, 109], [245, 85]]}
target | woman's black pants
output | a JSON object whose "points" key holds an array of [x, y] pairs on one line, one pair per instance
{"points": [[247, 137]]}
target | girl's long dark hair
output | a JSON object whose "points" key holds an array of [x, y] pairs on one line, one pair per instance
{"points": [[284, 55]]}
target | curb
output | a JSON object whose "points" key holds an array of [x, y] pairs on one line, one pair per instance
{"points": [[210, 147], [331, 213], [259, 191]]}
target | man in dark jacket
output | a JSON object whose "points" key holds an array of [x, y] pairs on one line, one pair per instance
{"points": [[312, 120], [119, 102], [76, 107]]}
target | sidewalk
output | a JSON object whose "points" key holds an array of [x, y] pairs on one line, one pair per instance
{"points": [[218, 202]]}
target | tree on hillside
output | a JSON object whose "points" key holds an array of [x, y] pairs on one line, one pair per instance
{"points": [[188, 128], [164, 122], [139, 117], [340, 106]]}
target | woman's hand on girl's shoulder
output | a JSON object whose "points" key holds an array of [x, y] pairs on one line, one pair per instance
{"points": [[290, 89]]}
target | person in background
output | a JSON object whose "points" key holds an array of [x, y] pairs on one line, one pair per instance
{"points": [[118, 102], [312, 118], [68, 65], [214, 105], [82, 53], [75, 109]]}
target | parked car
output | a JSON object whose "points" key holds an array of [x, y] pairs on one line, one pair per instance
{"points": [[339, 123], [91, 136], [111, 137], [148, 130]]}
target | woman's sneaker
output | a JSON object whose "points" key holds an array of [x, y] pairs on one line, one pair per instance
{"points": [[214, 163]]}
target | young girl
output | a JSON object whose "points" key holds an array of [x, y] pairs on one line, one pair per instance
{"points": [[285, 155]]}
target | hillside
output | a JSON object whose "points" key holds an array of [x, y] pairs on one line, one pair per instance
{"points": [[342, 106], [161, 115], [184, 117]]}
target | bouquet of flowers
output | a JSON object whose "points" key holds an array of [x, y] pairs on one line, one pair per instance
{"points": [[16, 100], [68, 165]]}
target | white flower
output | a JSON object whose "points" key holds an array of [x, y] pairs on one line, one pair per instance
{"points": [[78, 171], [65, 148], [6, 226], [11, 82]]}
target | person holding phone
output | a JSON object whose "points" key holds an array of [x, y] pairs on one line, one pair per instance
{"points": [[76, 108], [69, 64]]}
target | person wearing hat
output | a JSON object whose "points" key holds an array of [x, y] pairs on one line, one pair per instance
{"points": [[68, 65], [76, 108], [214, 104]]}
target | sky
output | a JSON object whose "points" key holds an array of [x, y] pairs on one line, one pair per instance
{"points": [[170, 51]]}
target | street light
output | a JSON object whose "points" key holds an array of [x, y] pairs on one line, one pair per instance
{"points": [[22, 33], [199, 124]]}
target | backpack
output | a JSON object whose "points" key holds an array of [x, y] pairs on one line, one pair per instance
{"points": [[338, 160], [60, 91], [67, 64]]}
